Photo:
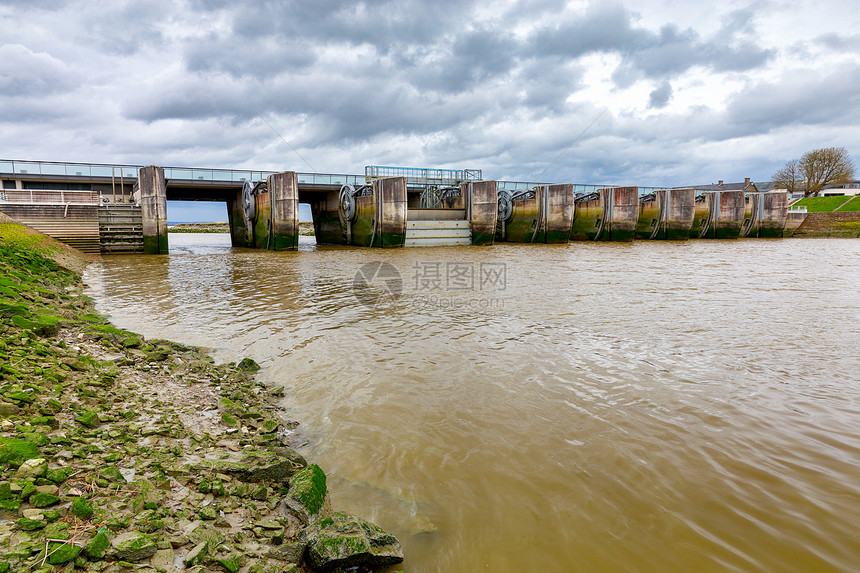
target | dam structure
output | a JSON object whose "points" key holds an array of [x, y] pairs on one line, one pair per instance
{"points": [[104, 208]]}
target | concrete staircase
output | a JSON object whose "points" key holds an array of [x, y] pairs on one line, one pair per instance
{"points": [[437, 233]]}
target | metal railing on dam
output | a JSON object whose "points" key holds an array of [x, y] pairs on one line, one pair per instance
{"points": [[47, 169]]}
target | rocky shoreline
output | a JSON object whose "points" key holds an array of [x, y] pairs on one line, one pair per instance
{"points": [[125, 454]]}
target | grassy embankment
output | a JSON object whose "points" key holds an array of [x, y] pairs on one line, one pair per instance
{"points": [[829, 204], [119, 453]]}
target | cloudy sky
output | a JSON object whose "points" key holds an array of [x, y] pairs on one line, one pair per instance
{"points": [[651, 92]]}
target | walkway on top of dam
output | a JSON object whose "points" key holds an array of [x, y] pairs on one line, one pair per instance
{"points": [[207, 184]]}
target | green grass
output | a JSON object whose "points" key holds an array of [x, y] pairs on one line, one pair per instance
{"points": [[852, 205], [821, 204]]}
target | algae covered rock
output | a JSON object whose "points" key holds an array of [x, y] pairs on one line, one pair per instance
{"points": [[82, 508], [347, 541], [15, 452], [133, 546], [248, 365], [40, 499], [99, 545], [308, 487], [62, 553]]}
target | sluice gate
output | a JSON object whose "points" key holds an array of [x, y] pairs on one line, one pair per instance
{"points": [[124, 208], [609, 214], [543, 214], [666, 214], [718, 215]]}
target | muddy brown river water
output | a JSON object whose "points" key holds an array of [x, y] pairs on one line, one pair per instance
{"points": [[651, 406]]}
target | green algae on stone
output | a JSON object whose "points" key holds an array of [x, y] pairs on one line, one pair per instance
{"points": [[231, 563], [62, 553], [248, 365], [346, 541], [15, 452], [26, 524], [308, 487], [133, 546], [40, 500], [88, 419], [99, 545], [82, 508]]}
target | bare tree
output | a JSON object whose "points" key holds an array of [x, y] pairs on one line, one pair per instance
{"points": [[788, 177], [815, 170]]}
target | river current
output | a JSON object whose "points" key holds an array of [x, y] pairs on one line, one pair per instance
{"points": [[654, 406]]}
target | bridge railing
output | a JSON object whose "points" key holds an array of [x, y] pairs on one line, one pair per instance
{"points": [[51, 196], [14, 167]]}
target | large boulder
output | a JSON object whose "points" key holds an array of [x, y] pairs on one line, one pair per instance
{"points": [[343, 540]]}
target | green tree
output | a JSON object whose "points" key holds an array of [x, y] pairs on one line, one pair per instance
{"points": [[815, 170]]}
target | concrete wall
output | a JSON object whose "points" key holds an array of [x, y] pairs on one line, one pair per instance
{"points": [[838, 224], [153, 204], [481, 198], [793, 220]]}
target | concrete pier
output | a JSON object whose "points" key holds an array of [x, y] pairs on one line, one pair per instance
{"points": [[283, 195], [153, 204], [481, 202], [558, 211], [729, 213], [678, 213], [621, 215]]}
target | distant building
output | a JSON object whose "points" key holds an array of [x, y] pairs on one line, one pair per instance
{"points": [[747, 186], [846, 189]]}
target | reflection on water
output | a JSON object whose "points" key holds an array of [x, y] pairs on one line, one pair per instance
{"points": [[647, 407]]}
